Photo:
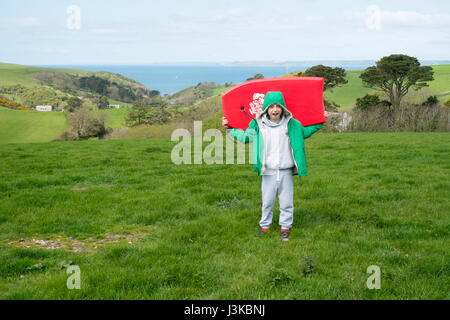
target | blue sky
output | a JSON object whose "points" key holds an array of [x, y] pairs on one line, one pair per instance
{"points": [[145, 32]]}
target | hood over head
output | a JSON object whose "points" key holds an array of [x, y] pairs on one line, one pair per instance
{"points": [[274, 97]]}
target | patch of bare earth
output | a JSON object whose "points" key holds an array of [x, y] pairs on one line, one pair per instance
{"points": [[76, 245]]}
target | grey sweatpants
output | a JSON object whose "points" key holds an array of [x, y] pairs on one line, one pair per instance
{"points": [[280, 183]]}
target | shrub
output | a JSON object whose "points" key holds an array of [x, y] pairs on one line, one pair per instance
{"points": [[256, 76], [431, 100], [11, 104], [33, 97], [367, 101], [74, 103], [84, 124], [330, 105]]}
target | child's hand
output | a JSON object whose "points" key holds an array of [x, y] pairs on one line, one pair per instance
{"points": [[325, 114], [225, 122]]}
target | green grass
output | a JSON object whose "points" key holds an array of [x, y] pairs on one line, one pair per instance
{"points": [[30, 126], [346, 95], [220, 90], [116, 117], [441, 82], [370, 199]]}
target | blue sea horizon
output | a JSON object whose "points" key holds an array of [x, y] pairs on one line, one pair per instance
{"points": [[168, 79]]}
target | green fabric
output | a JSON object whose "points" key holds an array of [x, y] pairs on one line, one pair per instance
{"points": [[297, 135], [273, 97]]}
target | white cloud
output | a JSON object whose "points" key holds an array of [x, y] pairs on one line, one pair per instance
{"points": [[374, 18], [414, 18], [236, 21]]}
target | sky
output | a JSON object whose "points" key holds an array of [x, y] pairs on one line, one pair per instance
{"points": [[133, 32]]}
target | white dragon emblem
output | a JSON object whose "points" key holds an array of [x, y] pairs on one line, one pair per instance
{"points": [[257, 103]]}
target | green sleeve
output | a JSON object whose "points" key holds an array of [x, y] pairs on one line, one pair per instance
{"points": [[244, 136], [309, 130]]}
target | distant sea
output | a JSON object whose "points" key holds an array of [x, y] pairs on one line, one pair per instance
{"points": [[169, 79]]}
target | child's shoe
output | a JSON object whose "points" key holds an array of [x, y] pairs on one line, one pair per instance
{"points": [[285, 233], [262, 232]]}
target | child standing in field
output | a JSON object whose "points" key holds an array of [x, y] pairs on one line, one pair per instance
{"points": [[278, 154]]}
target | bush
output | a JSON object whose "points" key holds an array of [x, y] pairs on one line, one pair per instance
{"points": [[367, 101], [256, 76], [74, 103], [11, 104], [330, 105], [33, 97], [67, 135], [84, 124], [431, 101]]}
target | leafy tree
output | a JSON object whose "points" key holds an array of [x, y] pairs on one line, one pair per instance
{"points": [[137, 113], [126, 92], [159, 114], [74, 103], [332, 77], [256, 76], [103, 102], [395, 75], [330, 105], [154, 93], [94, 84]]}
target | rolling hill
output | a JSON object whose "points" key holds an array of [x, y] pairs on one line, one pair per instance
{"points": [[16, 126], [14, 74]]}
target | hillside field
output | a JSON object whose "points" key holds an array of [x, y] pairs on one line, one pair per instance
{"points": [[30, 126], [140, 227], [46, 126], [13, 74], [346, 95]]}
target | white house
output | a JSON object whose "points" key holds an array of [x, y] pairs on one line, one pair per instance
{"points": [[114, 106], [44, 108]]}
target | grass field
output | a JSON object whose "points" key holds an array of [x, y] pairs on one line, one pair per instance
{"points": [[30, 126], [346, 95], [441, 83], [145, 228], [116, 117]]}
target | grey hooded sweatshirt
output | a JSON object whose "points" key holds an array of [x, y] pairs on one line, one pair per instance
{"points": [[277, 147]]}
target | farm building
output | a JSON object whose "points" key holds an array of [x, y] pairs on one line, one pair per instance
{"points": [[44, 108]]}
